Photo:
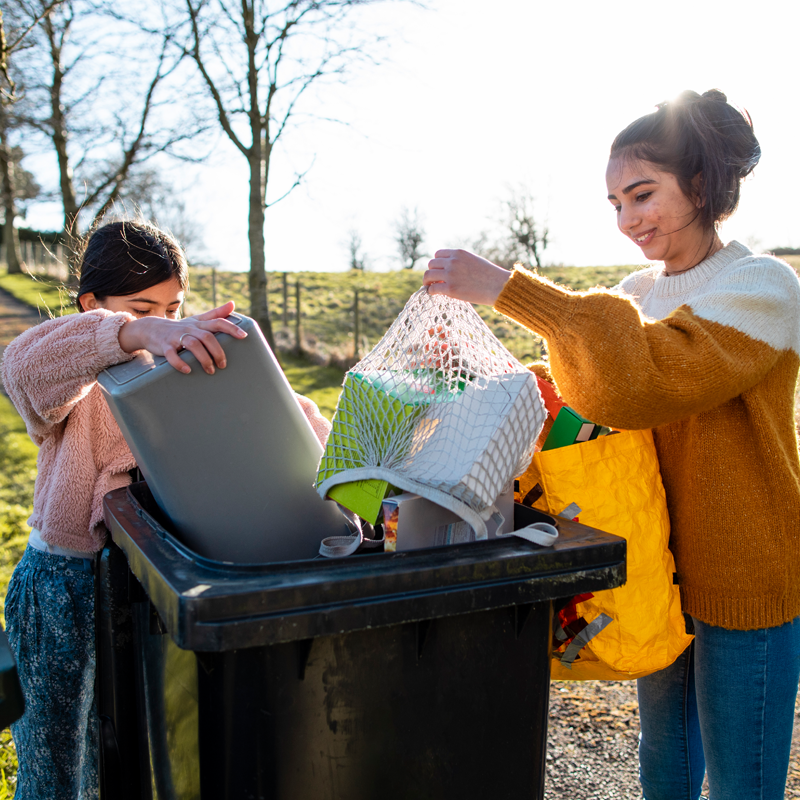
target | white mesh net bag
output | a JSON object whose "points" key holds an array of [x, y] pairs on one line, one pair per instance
{"points": [[438, 408]]}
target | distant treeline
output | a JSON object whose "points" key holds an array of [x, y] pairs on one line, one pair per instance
{"points": [[785, 251]]}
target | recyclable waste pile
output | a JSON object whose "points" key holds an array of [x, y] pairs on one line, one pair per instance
{"points": [[439, 408]]}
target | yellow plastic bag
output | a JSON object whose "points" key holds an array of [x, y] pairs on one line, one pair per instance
{"points": [[638, 628]]}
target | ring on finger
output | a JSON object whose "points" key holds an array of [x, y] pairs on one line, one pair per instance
{"points": [[180, 341]]}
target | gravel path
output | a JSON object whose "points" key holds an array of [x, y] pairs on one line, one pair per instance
{"points": [[592, 740]]}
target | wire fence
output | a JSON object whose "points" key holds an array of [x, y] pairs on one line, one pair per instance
{"points": [[332, 317]]}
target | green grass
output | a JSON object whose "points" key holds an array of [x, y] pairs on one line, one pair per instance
{"points": [[320, 384], [18, 468], [327, 302], [794, 261], [47, 295]]}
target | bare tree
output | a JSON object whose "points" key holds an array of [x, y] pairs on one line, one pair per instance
{"points": [[258, 60], [354, 249], [11, 187], [494, 248], [527, 236], [9, 195], [151, 193], [410, 236], [98, 112]]}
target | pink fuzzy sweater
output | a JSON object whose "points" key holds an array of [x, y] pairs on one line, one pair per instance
{"points": [[50, 373]]}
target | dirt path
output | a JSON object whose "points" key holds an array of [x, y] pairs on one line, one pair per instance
{"points": [[15, 317], [594, 726]]}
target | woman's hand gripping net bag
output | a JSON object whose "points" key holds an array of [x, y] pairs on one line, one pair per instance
{"points": [[438, 408]]}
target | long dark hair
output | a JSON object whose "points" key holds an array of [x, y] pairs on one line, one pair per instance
{"points": [[697, 135], [126, 257]]}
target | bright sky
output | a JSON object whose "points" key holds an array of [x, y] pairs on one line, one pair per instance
{"points": [[478, 98]]}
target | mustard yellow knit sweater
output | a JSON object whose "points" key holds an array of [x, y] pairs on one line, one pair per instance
{"points": [[709, 360]]}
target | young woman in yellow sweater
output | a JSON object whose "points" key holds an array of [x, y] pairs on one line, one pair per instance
{"points": [[703, 348]]}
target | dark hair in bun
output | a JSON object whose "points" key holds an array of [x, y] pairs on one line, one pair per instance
{"points": [[697, 135]]}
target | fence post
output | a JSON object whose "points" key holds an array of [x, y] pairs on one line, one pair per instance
{"points": [[297, 332], [61, 271], [285, 300], [356, 326]]}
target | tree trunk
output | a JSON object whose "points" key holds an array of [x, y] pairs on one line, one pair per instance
{"points": [[11, 245], [259, 309], [285, 300], [10, 235], [60, 135]]}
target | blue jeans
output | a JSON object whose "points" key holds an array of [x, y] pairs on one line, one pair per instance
{"points": [[726, 705]]}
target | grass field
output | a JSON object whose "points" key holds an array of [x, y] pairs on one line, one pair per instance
{"points": [[327, 301], [18, 468], [18, 471], [44, 294]]}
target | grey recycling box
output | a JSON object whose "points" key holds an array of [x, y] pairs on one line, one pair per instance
{"points": [[230, 458]]}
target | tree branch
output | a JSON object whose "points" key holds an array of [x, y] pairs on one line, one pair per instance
{"points": [[131, 153], [298, 178], [222, 114]]}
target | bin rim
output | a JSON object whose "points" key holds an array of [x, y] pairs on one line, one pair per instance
{"points": [[227, 606]]}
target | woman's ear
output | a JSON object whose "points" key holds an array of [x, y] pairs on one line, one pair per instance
{"points": [[88, 301], [697, 186]]}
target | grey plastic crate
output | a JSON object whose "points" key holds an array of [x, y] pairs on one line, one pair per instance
{"points": [[230, 458]]}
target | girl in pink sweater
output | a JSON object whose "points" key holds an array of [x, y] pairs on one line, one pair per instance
{"points": [[133, 281]]}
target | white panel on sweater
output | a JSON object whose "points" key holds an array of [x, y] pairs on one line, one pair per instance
{"points": [[757, 295]]}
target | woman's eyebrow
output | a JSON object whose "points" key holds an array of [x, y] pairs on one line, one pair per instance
{"points": [[152, 302], [629, 189]]}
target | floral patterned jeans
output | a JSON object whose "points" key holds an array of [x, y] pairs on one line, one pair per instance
{"points": [[50, 626]]}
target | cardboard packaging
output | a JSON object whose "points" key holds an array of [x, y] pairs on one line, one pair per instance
{"points": [[569, 428], [411, 522]]}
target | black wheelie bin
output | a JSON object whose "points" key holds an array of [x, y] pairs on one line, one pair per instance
{"points": [[385, 676]]}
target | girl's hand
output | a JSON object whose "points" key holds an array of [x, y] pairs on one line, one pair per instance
{"points": [[165, 337], [465, 276]]}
